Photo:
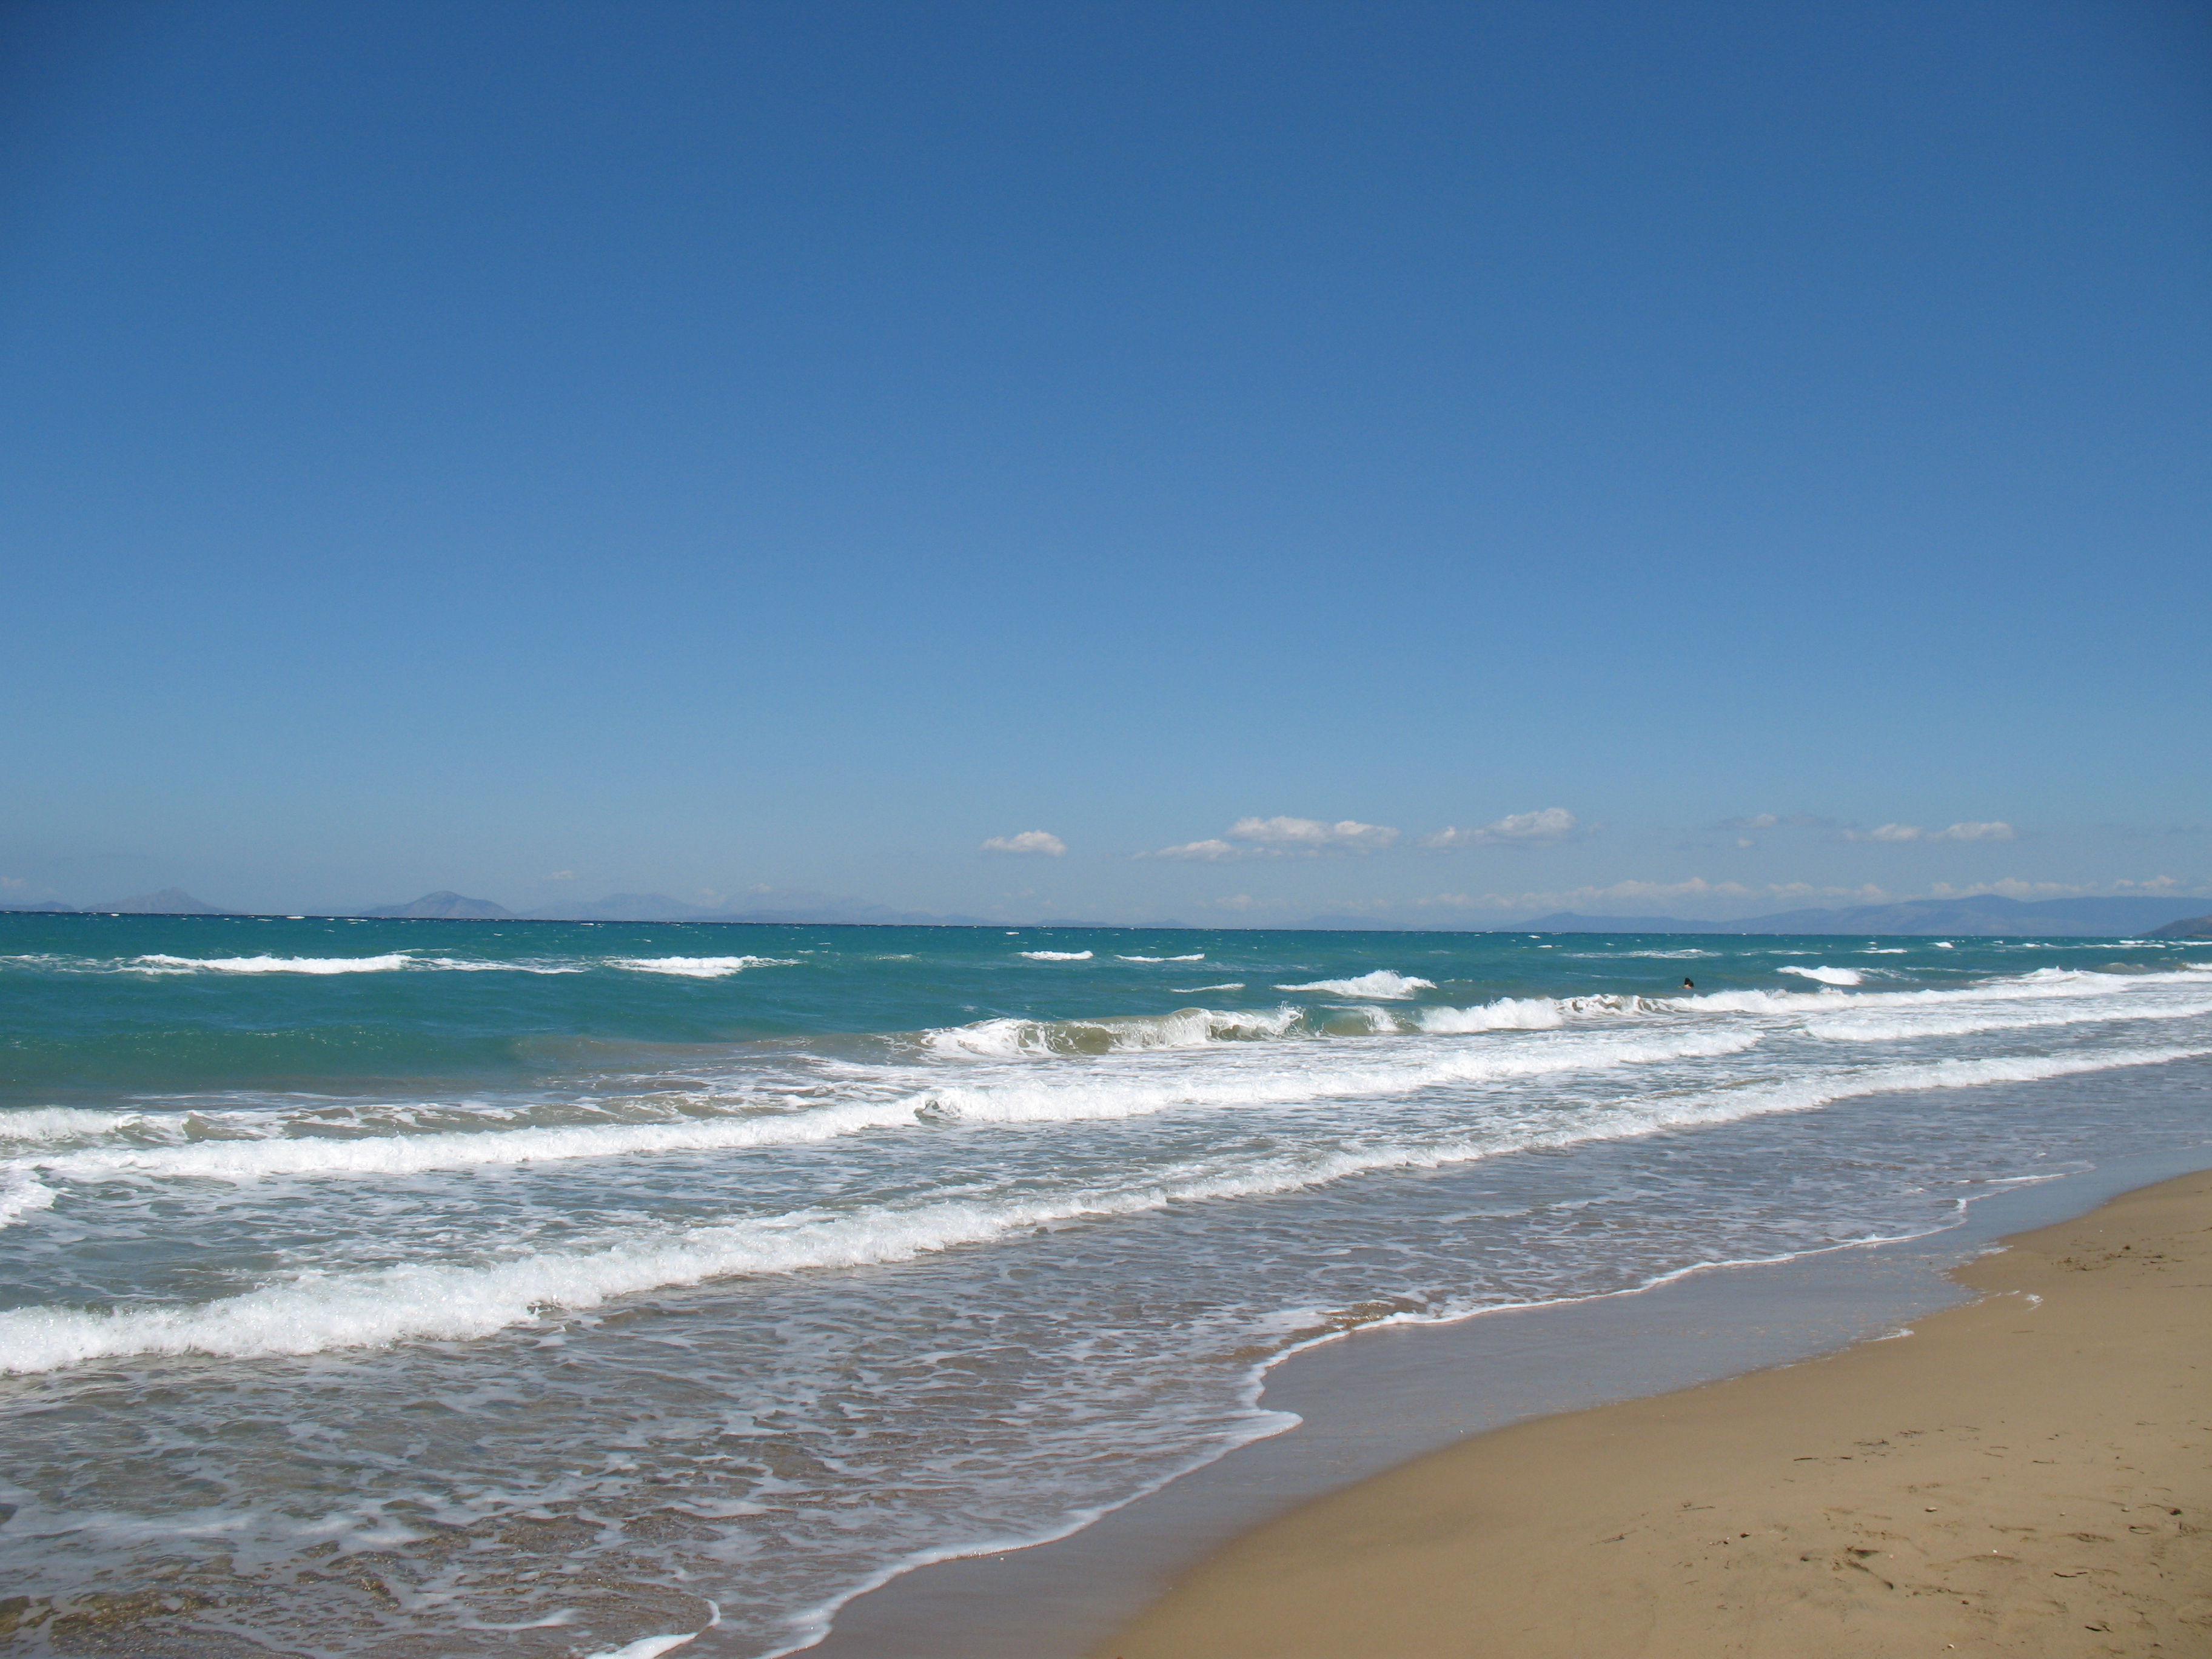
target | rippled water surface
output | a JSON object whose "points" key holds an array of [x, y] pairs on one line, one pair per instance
{"points": [[443, 1288]]}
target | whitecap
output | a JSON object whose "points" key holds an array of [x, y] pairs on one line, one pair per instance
{"points": [[1186, 1028], [60, 1123], [1383, 982], [463, 965], [166, 965], [1199, 957], [20, 1194], [1506, 1014], [1058, 956], [1825, 976], [700, 967]]}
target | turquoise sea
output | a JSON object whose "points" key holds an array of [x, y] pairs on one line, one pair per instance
{"points": [[442, 1288]]}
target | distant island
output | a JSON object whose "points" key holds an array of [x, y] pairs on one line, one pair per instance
{"points": [[2193, 927]]}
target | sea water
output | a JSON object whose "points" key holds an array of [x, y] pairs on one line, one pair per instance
{"points": [[419, 1288]]}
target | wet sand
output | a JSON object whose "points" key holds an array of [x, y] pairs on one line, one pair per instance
{"points": [[2027, 1475]]}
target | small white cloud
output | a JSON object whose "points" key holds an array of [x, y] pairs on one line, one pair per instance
{"points": [[1895, 832], [1553, 824], [1312, 834], [562, 875], [1211, 851], [1037, 842], [1280, 837]]}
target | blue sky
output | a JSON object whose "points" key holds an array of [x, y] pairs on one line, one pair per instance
{"points": [[553, 449]]}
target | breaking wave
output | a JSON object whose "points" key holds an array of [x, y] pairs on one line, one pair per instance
{"points": [[1382, 983], [1187, 1028], [1905, 1027], [20, 1194], [60, 1123], [701, 967], [319, 1312], [384, 964], [1426, 1067], [405, 1154], [1506, 1014]]}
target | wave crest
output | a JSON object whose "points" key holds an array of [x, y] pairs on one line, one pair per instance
{"points": [[700, 967], [1186, 1028], [1383, 983], [165, 965]]}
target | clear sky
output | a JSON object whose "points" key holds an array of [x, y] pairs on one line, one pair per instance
{"points": [[549, 449]]}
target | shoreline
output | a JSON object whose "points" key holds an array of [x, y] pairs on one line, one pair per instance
{"points": [[2028, 1474], [1374, 1399]]}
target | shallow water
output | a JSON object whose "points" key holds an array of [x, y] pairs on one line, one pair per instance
{"points": [[384, 1288]]}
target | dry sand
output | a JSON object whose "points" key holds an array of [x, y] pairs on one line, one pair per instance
{"points": [[2028, 1475]]}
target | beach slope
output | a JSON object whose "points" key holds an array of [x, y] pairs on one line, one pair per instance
{"points": [[2027, 1475]]}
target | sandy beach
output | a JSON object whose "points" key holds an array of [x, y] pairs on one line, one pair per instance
{"points": [[2028, 1475]]}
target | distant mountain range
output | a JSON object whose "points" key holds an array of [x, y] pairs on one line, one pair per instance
{"points": [[450, 905], [169, 901], [1984, 914], [658, 907]]}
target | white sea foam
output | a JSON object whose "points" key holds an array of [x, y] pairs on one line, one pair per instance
{"points": [[1425, 1066], [2045, 983], [464, 965], [410, 1154], [1506, 1014], [165, 965], [701, 967], [20, 1194], [1199, 990], [60, 1123], [1906, 1027], [1827, 976], [1058, 956], [1383, 982], [1186, 1028], [652, 1647], [1199, 956], [314, 1312]]}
